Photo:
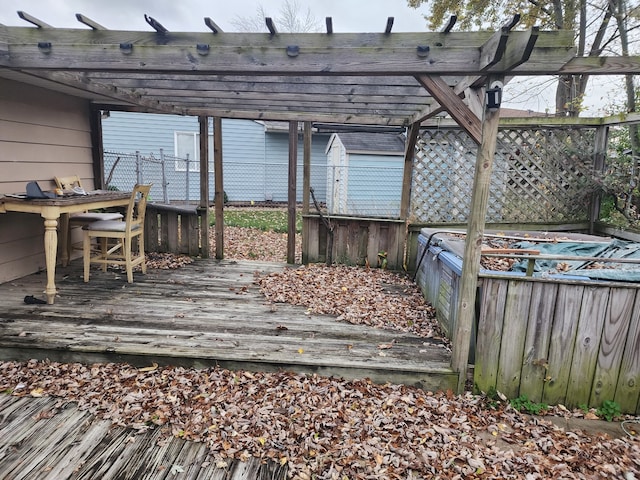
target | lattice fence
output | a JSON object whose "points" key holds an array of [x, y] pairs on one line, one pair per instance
{"points": [[540, 175]]}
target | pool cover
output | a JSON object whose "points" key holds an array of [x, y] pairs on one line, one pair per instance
{"points": [[627, 272]]}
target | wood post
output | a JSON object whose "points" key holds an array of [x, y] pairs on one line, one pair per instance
{"points": [[97, 148], [306, 173], [473, 245], [293, 163], [409, 152], [599, 154], [219, 186], [203, 209]]}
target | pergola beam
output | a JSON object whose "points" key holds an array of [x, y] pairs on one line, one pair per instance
{"points": [[518, 50], [445, 96], [78, 81], [601, 66], [345, 118], [261, 54]]}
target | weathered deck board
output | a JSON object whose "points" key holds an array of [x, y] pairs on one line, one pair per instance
{"points": [[627, 394], [74, 445], [616, 327], [513, 338], [489, 335], [207, 313], [585, 353], [536, 348], [563, 333]]}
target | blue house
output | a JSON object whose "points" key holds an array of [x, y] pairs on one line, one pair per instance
{"points": [[255, 157]]}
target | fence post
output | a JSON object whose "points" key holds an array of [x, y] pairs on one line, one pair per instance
{"points": [[165, 195], [599, 166], [187, 179], [138, 172]]}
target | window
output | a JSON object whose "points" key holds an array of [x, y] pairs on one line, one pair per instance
{"points": [[187, 146]]}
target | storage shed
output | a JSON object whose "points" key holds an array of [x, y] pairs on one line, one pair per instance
{"points": [[364, 174]]}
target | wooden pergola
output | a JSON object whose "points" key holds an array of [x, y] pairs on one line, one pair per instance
{"points": [[383, 78]]}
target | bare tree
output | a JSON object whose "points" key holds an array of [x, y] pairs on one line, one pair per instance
{"points": [[290, 19], [597, 25]]}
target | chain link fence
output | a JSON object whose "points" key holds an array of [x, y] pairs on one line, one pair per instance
{"points": [[360, 190]]}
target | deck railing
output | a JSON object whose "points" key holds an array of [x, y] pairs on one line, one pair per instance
{"points": [[376, 242], [174, 229]]}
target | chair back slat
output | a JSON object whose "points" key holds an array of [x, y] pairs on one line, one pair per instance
{"points": [[68, 182], [137, 206]]}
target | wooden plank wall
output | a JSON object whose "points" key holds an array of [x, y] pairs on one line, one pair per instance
{"points": [[355, 240], [172, 229], [570, 343]]}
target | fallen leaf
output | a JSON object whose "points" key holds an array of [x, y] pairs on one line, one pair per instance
{"points": [[153, 367], [386, 346], [37, 392]]}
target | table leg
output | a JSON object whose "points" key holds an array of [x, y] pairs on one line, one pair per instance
{"points": [[50, 249], [65, 240]]}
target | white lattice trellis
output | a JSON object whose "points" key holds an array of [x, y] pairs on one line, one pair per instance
{"points": [[539, 175]]}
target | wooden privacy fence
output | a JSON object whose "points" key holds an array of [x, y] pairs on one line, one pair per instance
{"points": [[356, 241], [173, 229], [559, 342]]}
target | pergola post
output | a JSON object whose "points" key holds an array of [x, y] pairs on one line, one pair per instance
{"points": [[409, 152], [97, 148], [599, 155], [219, 186], [473, 245], [306, 171], [203, 208], [293, 163]]}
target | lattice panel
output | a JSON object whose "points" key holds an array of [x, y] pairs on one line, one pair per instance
{"points": [[539, 175]]}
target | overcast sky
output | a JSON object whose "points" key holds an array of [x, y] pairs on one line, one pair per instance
{"points": [[347, 15], [187, 15]]}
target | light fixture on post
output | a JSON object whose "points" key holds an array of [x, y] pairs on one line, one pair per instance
{"points": [[494, 96]]}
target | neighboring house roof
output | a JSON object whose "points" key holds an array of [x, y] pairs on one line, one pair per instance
{"points": [[387, 143]]}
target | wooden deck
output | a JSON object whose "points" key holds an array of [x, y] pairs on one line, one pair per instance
{"points": [[74, 445], [204, 314]]}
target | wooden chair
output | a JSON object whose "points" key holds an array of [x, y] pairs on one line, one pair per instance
{"points": [[123, 233], [79, 219]]}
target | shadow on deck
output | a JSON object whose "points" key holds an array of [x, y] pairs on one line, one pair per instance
{"points": [[204, 314]]}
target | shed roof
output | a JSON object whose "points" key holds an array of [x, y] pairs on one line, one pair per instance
{"points": [[367, 142]]}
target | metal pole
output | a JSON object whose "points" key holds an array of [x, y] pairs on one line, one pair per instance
{"points": [[187, 179], [138, 172], [165, 193]]}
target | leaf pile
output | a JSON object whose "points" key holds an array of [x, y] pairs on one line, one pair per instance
{"points": [[327, 428], [242, 243], [167, 261], [363, 296]]}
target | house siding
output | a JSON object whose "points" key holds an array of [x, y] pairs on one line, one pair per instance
{"points": [[255, 160], [42, 134], [277, 154], [242, 150]]}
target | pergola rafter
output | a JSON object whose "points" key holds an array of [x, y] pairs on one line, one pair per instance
{"points": [[363, 78]]}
